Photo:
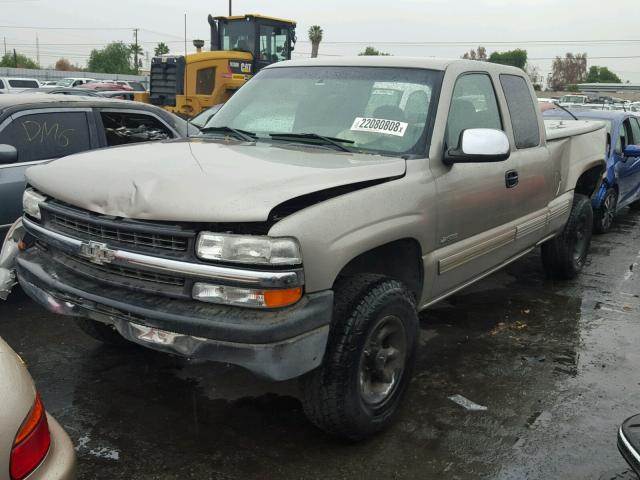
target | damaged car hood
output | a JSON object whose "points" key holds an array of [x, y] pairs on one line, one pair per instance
{"points": [[199, 180]]}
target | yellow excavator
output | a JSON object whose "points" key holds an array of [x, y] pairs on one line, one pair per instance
{"points": [[240, 46]]}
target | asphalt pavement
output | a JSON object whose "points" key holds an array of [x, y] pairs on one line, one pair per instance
{"points": [[556, 364]]}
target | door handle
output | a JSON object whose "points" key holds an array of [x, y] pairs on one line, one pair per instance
{"points": [[511, 178]]}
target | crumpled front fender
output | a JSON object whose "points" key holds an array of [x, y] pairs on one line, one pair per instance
{"points": [[8, 256]]}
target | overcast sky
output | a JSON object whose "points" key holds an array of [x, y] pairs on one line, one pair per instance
{"points": [[595, 27]]}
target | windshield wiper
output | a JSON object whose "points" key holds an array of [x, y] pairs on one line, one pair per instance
{"points": [[336, 142], [241, 134]]}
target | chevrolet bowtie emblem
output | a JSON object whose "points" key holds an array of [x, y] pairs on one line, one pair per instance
{"points": [[97, 252]]}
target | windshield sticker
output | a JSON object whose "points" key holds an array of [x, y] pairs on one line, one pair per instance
{"points": [[379, 125]]}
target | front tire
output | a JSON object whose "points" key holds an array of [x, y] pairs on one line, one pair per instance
{"points": [[603, 216], [369, 359], [564, 256]]}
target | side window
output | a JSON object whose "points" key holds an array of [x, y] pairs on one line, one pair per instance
{"points": [[524, 118], [205, 81], [624, 136], [44, 136], [121, 128], [23, 83], [1, 85], [473, 105], [635, 130]]}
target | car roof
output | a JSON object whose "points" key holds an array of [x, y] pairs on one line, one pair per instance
{"points": [[45, 99], [393, 61]]}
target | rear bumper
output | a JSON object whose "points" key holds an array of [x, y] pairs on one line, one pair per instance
{"points": [[275, 344], [60, 462]]}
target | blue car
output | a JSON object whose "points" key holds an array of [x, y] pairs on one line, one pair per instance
{"points": [[621, 187]]}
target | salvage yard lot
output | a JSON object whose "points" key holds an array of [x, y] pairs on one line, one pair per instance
{"points": [[554, 363]]}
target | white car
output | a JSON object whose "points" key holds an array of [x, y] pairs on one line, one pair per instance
{"points": [[16, 85], [73, 82], [33, 446]]}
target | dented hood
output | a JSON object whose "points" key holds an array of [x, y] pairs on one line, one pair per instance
{"points": [[199, 180]]}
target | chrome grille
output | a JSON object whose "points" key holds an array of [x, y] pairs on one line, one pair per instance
{"points": [[120, 234], [141, 275]]}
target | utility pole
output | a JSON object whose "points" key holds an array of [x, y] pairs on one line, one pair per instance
{"points": [[15, 59], [135, 53], [230, 7], [37, 50], [5, 46]]}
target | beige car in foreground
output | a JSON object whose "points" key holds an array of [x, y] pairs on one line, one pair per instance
{"points": [[33, 445]]}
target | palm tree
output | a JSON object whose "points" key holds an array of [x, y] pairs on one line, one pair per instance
{"points": [[315, 37], [137, 51], [161, 49]]}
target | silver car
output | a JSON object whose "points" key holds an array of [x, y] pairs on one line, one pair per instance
{"points": [[33, 445]]}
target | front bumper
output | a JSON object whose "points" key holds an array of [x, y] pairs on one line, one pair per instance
{"points": [[278, 344], [629, 442]]}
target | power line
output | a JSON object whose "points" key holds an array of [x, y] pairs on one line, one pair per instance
{"points": [[63, 28], [462, 43]]}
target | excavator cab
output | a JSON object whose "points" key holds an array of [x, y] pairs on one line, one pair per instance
{"points": [[240, 47], [267, 39]]}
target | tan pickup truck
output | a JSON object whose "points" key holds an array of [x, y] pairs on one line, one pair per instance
{"points": [[324, 206]]}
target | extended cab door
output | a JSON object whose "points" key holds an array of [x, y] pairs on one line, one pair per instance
{"points": [[477, 203], [39, 136], [531, 165]]}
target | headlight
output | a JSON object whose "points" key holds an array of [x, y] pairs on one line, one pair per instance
{"points": [[249, 249], [31, 201]]}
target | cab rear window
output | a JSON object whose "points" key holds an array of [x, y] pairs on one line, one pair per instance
{"points": [[524, 118]]}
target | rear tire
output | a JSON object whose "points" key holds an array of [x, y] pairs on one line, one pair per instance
{"points": [[603, 216], [369, 359], [102, 332], [564, 255]]}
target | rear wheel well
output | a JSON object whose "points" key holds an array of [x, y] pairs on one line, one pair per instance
{"points": [[589, 181], [400, 259]]}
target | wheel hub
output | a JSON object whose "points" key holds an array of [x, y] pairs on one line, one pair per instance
{"points": [[383, 360], [579, 251], [608, 211]]}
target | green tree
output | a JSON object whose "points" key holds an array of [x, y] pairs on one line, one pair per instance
{"points": [[17, 61], [315, 37], [515, 58], [602, 75], [371, 51], [114, 58], [161, 49]]}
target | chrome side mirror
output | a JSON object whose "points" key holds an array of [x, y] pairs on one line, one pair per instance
{"points": [[479, 145]]}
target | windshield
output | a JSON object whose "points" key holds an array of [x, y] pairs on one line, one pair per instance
{"points": [[65, 82], [239, 36], [377, 110]]}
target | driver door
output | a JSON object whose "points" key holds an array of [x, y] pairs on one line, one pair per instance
{"points": [[474, 203]]}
